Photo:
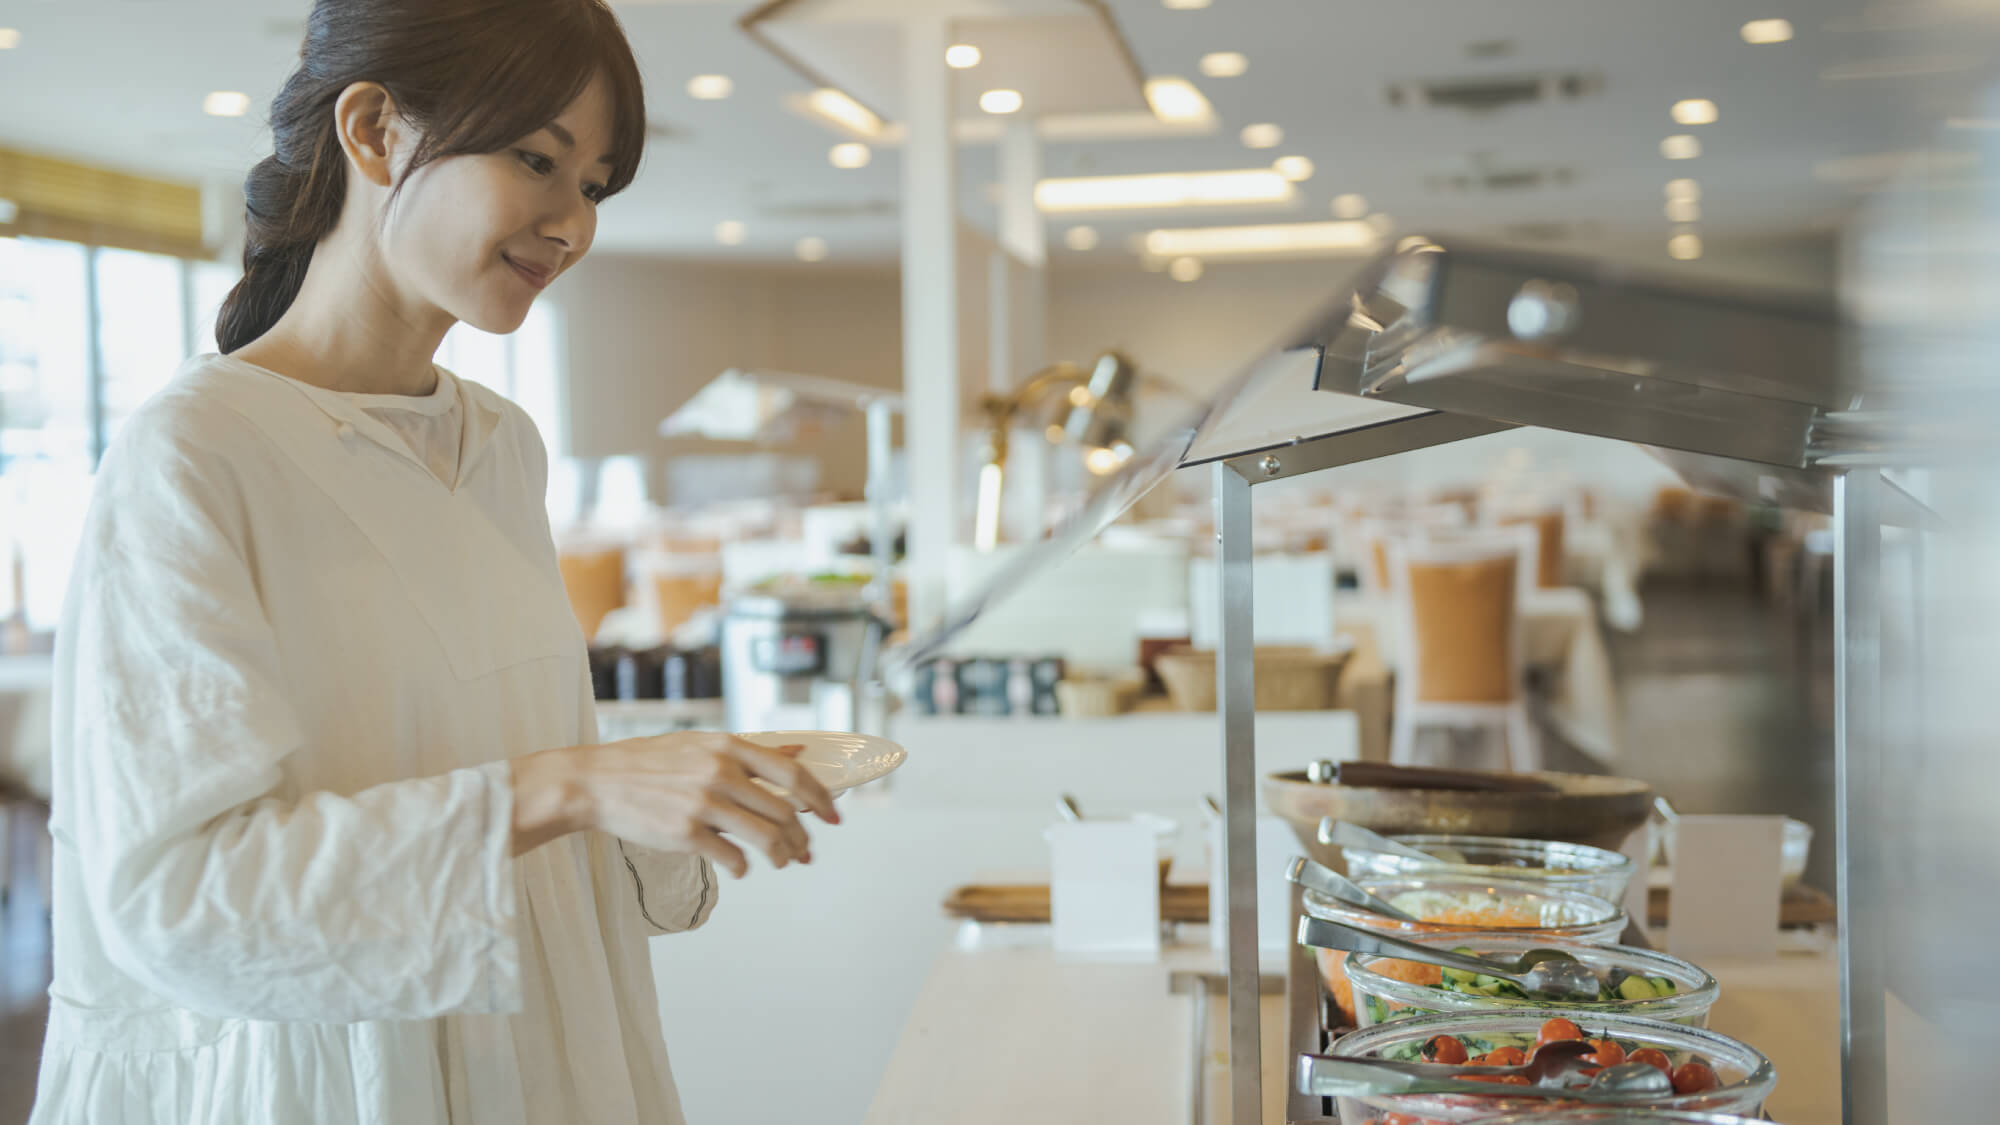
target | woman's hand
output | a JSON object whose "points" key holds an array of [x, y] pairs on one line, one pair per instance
{"points": [[673, 792]]}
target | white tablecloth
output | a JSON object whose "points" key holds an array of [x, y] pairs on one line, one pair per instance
{"points": [[1559, 632]]}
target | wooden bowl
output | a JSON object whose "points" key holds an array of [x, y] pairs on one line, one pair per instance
{"points": [[1588, 809]]}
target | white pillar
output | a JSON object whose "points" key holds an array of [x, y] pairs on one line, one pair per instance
{"points": [[930, 314], [1019, 323]]}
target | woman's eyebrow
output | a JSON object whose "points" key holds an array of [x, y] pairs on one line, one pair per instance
{"points": [[569, 141]]}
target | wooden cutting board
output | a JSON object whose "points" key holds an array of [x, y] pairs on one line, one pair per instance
{"points": [[1029, 902], [1188, 902]]}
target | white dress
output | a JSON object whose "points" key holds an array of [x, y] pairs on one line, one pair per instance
{"points": [[291, 671]]}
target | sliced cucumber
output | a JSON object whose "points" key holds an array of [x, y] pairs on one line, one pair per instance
{"points": [[1662, 985], [1637, 988]]}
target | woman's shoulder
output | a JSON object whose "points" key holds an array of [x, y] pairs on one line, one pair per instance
{"points": [[194, 419]]}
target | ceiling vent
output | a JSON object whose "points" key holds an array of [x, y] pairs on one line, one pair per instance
{"points": [[1485, 94], [1497, 179]]}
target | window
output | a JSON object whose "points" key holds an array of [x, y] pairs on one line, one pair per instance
{"points": [[142, 329], [526, 367]]}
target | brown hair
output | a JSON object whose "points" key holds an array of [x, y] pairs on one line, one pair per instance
{"points": [[473, 75]]}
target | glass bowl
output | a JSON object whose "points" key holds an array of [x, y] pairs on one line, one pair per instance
{"points": [[1617, 1115], [1455, 904], [1389, 989], [1575, 867], [1747, 1076]]}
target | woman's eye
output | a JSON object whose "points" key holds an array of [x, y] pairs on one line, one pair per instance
{"points": [[539, 164], [594, 192]]}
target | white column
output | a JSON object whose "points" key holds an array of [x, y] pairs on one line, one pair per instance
{"points": [[930, 314], [1020, 316]]}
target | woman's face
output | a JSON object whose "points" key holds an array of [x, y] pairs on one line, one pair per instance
{"points": [[480, 236]]}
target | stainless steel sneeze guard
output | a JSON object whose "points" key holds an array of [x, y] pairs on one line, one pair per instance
{"points": [[1747, 393]]}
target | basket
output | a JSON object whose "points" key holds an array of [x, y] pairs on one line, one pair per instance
{"points": [[1097, 697], [1288, 679]]}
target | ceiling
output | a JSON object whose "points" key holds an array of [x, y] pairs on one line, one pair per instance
{"points": [[1319, 69]]}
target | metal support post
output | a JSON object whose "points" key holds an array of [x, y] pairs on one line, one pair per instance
{"points": [[1236, 701], [1858, 748]]}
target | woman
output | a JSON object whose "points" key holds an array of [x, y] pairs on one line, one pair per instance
{"points": [[333, 841]]}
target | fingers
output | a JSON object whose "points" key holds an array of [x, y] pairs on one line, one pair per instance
{"points": [[748, 827], [783, 770], [710, 845], [775, 809]]}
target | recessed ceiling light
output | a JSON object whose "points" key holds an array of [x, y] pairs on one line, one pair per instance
{"points": [[849, 155], [837, 107], [1684, 210], [9, 38], [1683, 189], [1352, 205], [1178, 100], [811, 249], [1264, 135], [1684, 247], [226, 103], [1767, 31], [1681, 146], [1256, 241], [1297, 169], [1185, 5], [961, 56], [1080, 238], [1000, 101], [1163, 189], [731, 233], [710, 87], [1695, 111], [1224, 64], [1185, 269]]}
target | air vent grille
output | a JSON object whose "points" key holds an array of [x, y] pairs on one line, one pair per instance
{"points": [[1480, 94]]}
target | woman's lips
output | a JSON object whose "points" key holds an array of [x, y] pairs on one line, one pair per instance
{"points": [[531, 275]]}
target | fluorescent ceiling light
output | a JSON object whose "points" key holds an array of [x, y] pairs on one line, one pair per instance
{"points": [[1695, 111], [1224, 64], [10, 38], [1684, 247], [1177, 99], [1275, 238], [1681, 146], [843, 111], [729, 232], [962, 56], [849, 155], [1164, 189], [1684, 210], [1683, 189], [226, 103], [1000, 101], [1767, 31], [1350, 205], [1297, 169], [1264, 135], [710, 87], [1185, 5], [1080, 238], [1184, 269], [811, 249]]}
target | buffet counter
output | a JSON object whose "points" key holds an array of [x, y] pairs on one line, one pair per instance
{"points": [[1006, 1031]]}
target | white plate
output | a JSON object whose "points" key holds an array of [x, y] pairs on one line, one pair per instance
{"points": [[838, 759]]}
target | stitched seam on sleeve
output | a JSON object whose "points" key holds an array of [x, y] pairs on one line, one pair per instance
{"points": [[640, 885], [695, 919]]}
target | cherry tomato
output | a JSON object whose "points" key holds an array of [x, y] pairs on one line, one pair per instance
{"points": [[1694, 1078], [1506, 1056], [1558, 1029], [1608, 1053], [1445, 1049], [1652, 1057]]}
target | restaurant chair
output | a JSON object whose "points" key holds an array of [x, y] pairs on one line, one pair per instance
{"points": [[1458, 597], [1550, 562]]}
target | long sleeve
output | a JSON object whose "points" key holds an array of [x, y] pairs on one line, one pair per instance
{"points": [[677, 890], [212, 885]]}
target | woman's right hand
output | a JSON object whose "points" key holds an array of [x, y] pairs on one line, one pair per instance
{"points": [[686, 792]]}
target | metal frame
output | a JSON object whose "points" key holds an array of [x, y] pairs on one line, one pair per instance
{"points": [[1236, 700], [1861, 497]]}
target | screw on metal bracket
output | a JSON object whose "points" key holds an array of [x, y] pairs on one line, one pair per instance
{"points": [[1271, 466]]}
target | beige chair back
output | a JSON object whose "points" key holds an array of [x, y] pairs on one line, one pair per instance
{"points": [[1549, 557], [1462, 619], [595, 581]]}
